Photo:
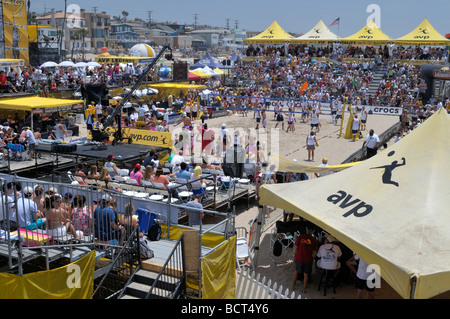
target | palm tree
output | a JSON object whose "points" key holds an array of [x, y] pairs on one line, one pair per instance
{"points": [[125, 15]]}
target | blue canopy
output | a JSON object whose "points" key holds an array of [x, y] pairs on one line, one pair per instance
{"points": [[207, 60]]}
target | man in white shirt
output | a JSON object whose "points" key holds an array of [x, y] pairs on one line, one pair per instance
{"points": [[324, 164], [31, 141], [371, 141]]}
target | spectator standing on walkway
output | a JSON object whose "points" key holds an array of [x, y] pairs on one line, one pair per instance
{"points": [[371, 142]]}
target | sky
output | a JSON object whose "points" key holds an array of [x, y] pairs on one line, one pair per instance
{"points": [[395, 17]]}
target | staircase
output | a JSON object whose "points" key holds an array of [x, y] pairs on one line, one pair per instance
{"points": [[375, 83], [146, 286]]}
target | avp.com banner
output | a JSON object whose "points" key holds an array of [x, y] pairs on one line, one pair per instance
{"points": [[142, 137]]}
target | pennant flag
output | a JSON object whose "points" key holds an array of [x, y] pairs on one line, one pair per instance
{"points": [[304, 86], [335, 22]]}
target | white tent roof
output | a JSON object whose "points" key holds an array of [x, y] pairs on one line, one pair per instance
{"points": [[392, 209], [320, 34]]}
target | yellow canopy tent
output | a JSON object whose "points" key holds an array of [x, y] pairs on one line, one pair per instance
{"points": [[392, 209], [201, 74], [423, 34], [369, 35], [174, 88], [320, 34], [274, 34], [37, 104]]}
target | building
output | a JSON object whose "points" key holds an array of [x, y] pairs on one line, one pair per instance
{"points": [[225, 39], [72, 40], [124, 35], [99, 27]]}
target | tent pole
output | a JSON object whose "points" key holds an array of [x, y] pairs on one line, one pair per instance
{"points": [[259, 221], [413, 287]]}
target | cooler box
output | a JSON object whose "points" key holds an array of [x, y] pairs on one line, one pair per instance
{"points": [[33, 239]]}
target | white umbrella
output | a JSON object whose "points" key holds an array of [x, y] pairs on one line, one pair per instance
{"points": [[80, 65], [66, 63], [95, 64], [49, 64]]}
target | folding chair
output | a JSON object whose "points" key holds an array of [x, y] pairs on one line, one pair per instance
{"points": [[243, 255]]}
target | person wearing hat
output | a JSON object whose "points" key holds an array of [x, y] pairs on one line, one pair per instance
{"points": [[112, 168], [137, 174], [29, 215], [324, 164]]}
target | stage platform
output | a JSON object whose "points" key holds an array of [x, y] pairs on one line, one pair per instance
{"points": [[123, 152]]}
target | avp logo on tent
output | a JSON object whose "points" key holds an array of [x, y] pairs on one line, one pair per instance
{"points": [[387, 172], [356, 206], [422, 31]]}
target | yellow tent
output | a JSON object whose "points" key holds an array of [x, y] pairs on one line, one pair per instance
{"points": [[369, 35], [423, 34], [38, 104], [201, 74], [320, 34], [274, 34], [391, 209]]}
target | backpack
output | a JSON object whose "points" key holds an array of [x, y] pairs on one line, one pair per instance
{"points": [[145, 251], [154, 233], [277, 248]]}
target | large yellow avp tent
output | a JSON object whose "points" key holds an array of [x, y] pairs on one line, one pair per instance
{"points": [[391, 209], [320, 34], [274, 34], [369, 35], [423, 34], [37, 103]]}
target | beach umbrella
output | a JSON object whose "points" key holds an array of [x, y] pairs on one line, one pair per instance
{"points": [[49, 64], [94, 64], [66, 63], [80, 65]]}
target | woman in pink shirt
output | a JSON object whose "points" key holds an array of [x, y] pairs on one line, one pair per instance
{"points": [[136, 174]]}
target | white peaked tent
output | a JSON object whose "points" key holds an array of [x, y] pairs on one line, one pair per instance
{"points": [[393, 209], [320, 34]]}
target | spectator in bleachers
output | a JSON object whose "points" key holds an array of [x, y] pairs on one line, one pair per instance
{"points": [[107, 227]]}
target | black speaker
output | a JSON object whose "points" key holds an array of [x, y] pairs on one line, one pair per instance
{"points": [[233, 165]]}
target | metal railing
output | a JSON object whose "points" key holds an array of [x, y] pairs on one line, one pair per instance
{"points": [[172, 274], [121, 270]]}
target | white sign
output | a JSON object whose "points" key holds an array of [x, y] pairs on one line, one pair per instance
{"points": [[385, 110]]}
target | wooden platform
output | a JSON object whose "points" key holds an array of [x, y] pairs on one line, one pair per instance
{"points": [[162, 249], [48, 160], [223, 196]]}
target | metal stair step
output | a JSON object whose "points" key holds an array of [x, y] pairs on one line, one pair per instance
{"points": [[148, 278], [140, 290]]}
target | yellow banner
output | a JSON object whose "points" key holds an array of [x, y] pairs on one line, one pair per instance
{"points": [[142, 137], [74, 281], [15, 29], [219, 272]]}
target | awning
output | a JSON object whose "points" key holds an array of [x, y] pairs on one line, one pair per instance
{"points": [[37, 104], [391, 209], [274, 34], [369, 35], [423, 34], [11, 62]]}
